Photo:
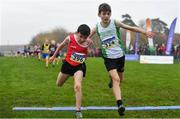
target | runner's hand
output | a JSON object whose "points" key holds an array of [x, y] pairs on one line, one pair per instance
{"points": [[51, 59], [150, 34]]}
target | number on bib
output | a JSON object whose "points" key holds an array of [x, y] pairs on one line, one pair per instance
{"points": [[109, 42], [78, 57]]}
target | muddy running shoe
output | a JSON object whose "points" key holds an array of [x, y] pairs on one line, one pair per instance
{"points": [[78, 115], [121, 110]]}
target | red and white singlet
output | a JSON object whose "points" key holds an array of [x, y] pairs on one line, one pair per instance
{"points": [[76, 53]]}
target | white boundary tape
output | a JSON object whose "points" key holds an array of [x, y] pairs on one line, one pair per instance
{"points": [[95, 108]]}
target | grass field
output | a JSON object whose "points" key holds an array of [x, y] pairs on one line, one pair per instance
{"points": [[26, 82]]}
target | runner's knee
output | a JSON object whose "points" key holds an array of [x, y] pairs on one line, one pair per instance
{"points": [[116, 79], [77, 87]]}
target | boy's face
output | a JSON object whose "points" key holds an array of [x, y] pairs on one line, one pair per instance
{"points": [[82, 38], [105, 16]]}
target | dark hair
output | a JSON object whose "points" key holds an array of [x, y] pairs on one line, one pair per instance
{"points": [[84, 30], [104, 7]]}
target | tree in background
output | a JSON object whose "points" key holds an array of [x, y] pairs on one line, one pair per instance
{"points": [[57, 34], [127, 20]]}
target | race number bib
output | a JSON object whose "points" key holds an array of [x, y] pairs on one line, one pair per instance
{"points": [[109, 42], [78, 57]]}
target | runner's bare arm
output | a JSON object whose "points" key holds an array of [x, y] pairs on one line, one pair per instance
{"points": [[62, 44], [134, 29], [93, 31]]}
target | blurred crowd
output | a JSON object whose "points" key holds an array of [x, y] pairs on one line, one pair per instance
{"points": [[36, 50], [159, 49]]}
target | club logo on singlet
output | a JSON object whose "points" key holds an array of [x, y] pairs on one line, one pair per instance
{"points": [[53, 49], [109, 42], [73, 46], [78, 57]]}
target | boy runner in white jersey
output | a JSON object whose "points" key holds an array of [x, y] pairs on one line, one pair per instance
{"points": [[112, 49]]}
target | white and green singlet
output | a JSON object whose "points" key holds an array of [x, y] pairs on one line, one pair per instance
{"points": [[111, 43]]}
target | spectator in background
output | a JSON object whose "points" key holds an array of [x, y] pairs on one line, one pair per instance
{"points": [[178, 53], [25, 51], [162, 49]]}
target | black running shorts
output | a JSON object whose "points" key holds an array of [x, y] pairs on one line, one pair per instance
{"points": [[115, 64], [69, 69]]}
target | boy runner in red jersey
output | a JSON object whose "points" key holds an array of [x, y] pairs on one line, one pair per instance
{"points": [[74, 64]]}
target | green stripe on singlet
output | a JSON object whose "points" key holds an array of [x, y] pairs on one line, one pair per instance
{"points": [[102, 49]]}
